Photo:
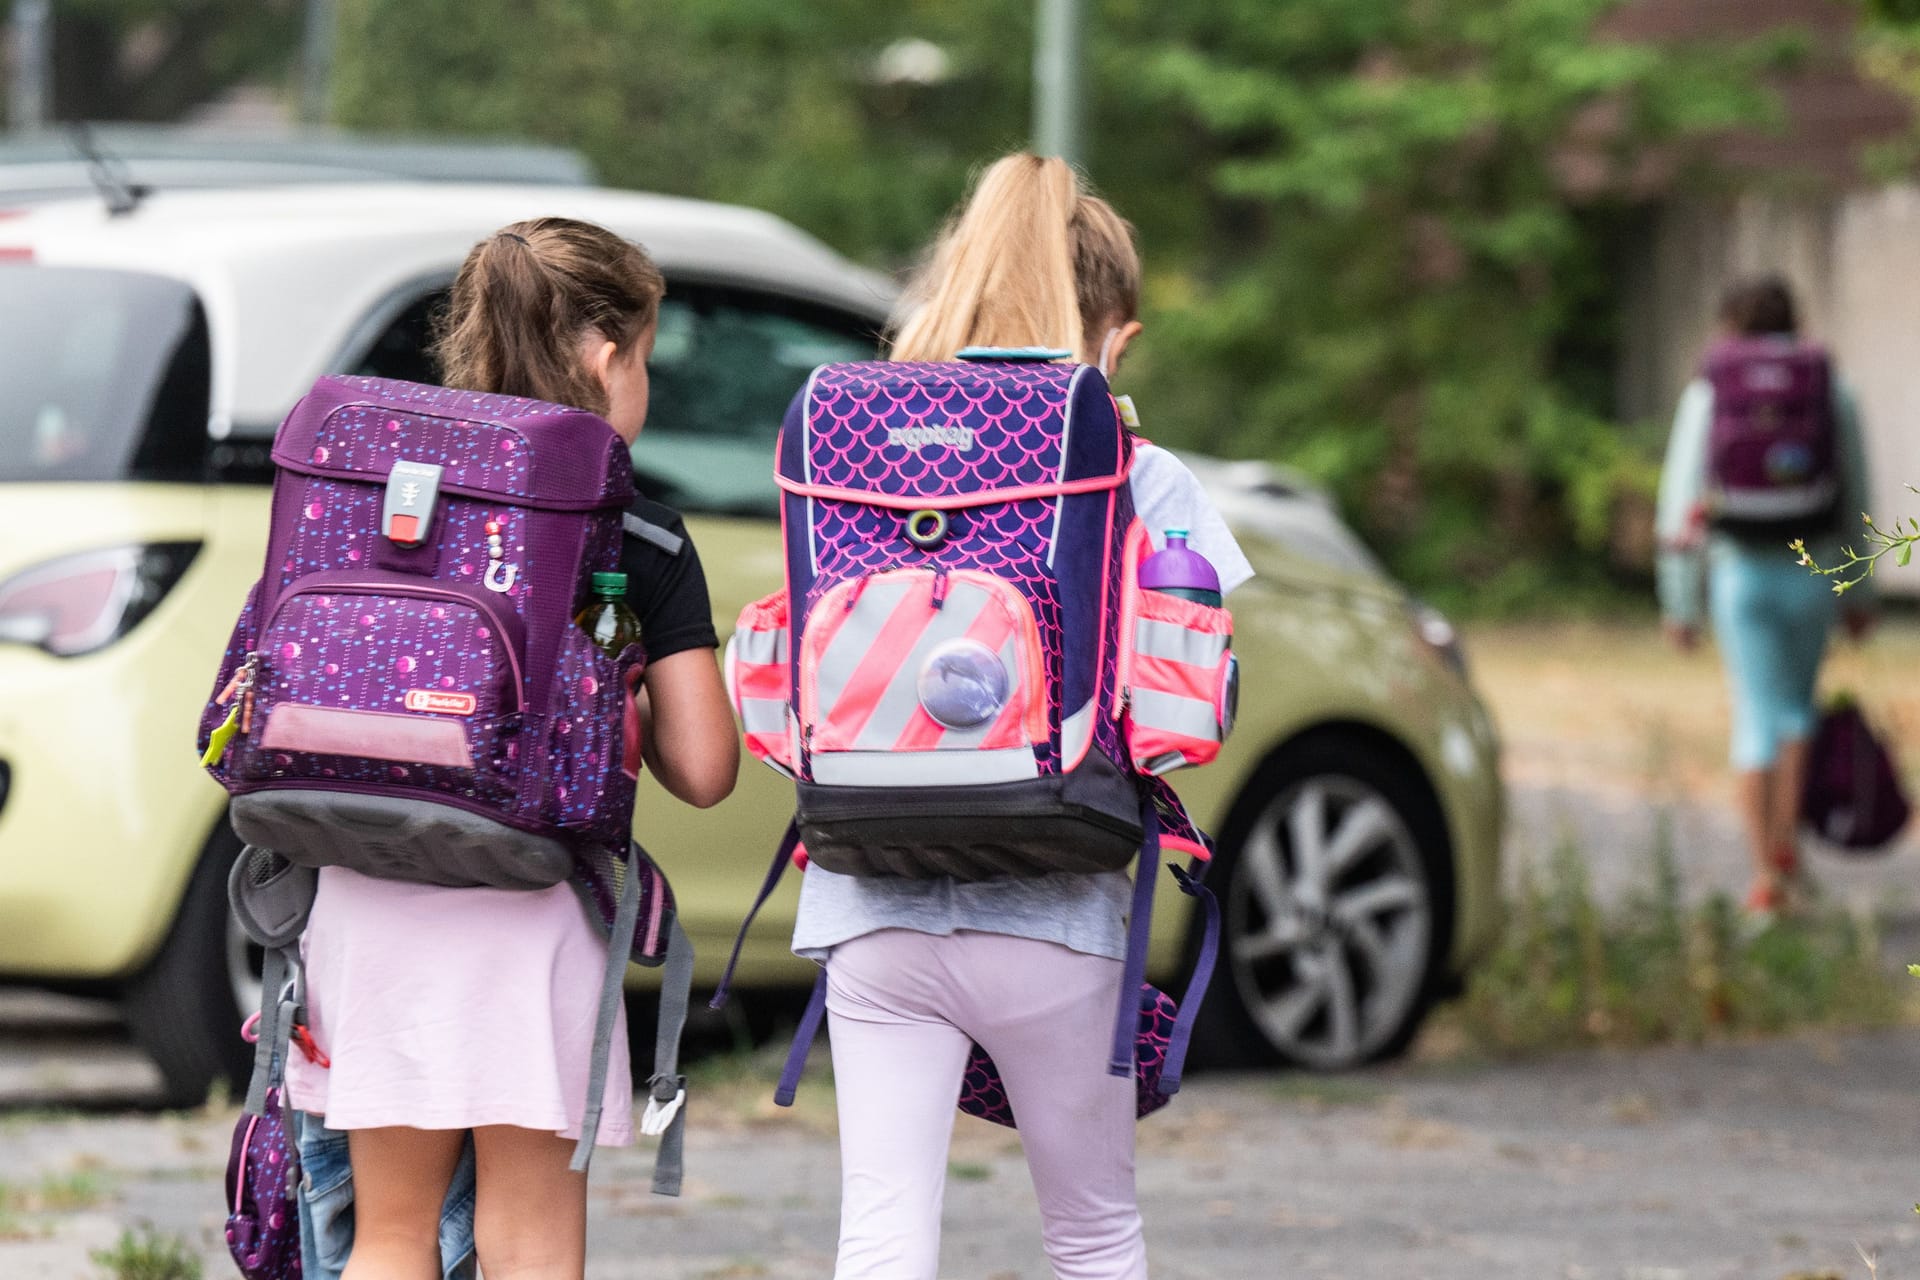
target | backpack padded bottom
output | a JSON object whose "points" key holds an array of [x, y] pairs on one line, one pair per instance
{"points": [[1082, 822], [399, 839]]}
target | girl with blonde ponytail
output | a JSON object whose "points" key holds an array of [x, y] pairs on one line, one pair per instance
{"points": [[924, 968]]}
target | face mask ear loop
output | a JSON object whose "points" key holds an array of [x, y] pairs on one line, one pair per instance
{"points": [[1106, 349]]}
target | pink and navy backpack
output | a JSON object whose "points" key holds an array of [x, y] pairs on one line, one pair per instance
{"points": [[406, 692], [961, 674], [1773, 450]]}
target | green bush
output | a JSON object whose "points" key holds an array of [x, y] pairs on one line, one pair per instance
{"points": [[148, 1255]]}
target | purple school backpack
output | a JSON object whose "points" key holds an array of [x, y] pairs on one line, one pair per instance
{"points": [[406, 692], [1853, 797], [1773, 447], [962, 673]]}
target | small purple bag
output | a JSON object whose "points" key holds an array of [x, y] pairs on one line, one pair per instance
{"points": [[263, 1181], [984, 1094], [1853, 797]]}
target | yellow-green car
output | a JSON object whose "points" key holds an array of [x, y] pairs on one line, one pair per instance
{"points": [[146, 356]]}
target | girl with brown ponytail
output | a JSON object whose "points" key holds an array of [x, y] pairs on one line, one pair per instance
{"points": [[449, 1012], [924, 968]]}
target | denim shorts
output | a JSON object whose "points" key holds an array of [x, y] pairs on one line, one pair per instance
{"points": [[326, 1207]]}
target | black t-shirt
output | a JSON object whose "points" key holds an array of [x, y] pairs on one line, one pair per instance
{"points": [[666, 588]]}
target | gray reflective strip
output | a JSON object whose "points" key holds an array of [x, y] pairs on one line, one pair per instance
{"points": [[1171, 713], [763, 715], [1180, 644], [897, 704], [762, 648], [922, 768], [1075, 730], [647, 531], [857, 633], [1776, 504]]}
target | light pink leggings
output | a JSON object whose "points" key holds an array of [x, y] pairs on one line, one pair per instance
{"points": [[902, 1008]]}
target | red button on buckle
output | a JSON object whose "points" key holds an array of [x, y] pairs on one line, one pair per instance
{"points": [[406, 529]]}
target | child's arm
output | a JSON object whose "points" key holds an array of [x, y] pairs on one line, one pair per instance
{"points": [[687, 731]]}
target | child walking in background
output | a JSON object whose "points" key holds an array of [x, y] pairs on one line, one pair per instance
{"points": [[449, 1011], [1766, 448], [1027, 967]]}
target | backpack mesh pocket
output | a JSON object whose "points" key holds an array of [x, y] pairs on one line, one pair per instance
{"points": [[1182, 682]]}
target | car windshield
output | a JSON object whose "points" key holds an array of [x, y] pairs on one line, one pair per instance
{"points": [[104, 375]]}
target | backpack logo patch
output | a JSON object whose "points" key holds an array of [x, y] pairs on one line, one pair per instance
{"points": [[952, 436], [452, 704]]}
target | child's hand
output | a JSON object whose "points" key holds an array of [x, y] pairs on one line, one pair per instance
{"points": [[1684, 636]]}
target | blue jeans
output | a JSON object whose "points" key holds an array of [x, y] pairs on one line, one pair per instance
{"points": [[326, 1206]]}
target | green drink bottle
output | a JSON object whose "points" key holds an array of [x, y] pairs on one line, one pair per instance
{"points": [[607, 619]]}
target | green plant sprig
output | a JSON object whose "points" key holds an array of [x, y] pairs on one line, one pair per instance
{"points": [[1897, 542]]}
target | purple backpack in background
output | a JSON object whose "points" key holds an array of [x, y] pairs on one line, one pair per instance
{"points": [[1853, 799], [1773, 448]]}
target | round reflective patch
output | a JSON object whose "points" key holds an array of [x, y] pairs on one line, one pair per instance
{"points": [[964, 684]]}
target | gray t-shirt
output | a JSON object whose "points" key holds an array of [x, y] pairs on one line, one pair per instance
{"points": [[1081, 912]]}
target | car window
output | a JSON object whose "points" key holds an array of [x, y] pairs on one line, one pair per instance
{"points": [[403, 349], [107, 376], [725, 365]]}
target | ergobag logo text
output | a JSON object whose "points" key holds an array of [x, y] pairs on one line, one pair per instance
{"points": [[952, 436]]}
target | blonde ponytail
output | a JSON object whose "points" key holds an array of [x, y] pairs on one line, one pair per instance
{"points": [[1031, 260]]}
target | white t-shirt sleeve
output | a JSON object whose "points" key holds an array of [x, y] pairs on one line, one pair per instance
{"points": [[1168, 496]]}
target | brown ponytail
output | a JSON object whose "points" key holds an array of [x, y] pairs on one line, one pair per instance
{"points": [[1032, 259], [526, 298]]}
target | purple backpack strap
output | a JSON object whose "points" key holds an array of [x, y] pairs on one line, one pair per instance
{"points": [[803, 1037], [781, 857], [1126, 1025], [1190, 884]]}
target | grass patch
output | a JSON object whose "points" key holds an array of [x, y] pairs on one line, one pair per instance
{"points": [[148, 1255], [967, 1171], [1654, 969]]}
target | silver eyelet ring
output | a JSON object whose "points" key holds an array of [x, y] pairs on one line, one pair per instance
{"points": [[927, 529]]}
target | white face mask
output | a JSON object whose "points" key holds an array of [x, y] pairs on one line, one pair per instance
{"points": [[1106, 350]]}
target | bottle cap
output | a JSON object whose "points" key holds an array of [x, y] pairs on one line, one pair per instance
{"points": [[1176, 533], [609, 584]]}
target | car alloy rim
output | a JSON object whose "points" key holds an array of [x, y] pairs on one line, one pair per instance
{"points": [[1329, 919], [243, 968]]}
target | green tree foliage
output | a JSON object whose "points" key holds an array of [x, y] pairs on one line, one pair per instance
{"points": [[1378, 232]]}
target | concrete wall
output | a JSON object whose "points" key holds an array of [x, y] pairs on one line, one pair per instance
{"points": [[1854, 260]]}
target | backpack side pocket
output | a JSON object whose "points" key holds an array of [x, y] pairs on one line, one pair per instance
{"points": [[1183, 684], [759, 681]]}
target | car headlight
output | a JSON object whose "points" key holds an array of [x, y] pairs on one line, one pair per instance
{"points": [[1438, 636], [81, 603]]}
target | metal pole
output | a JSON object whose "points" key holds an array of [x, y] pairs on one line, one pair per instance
{"points": [[1056, 79], [30, 77], [316, 62]]}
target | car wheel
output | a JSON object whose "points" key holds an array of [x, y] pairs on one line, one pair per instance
{"points": [[1336, 891], [186, 1007]]}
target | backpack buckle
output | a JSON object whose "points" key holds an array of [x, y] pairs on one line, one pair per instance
{"points": [[413, 488]]}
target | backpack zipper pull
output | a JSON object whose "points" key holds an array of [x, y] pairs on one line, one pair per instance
{"points": [[939, 588], [239, 717]]}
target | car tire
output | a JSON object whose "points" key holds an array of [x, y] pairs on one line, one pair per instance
{"points": [[1328, 967], [185, 1009]]}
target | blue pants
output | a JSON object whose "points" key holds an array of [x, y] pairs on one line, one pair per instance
{"points": [[326, 1207], [1771, 617]]}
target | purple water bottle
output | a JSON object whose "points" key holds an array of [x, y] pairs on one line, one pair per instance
{"points": [[1181, 571]]}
